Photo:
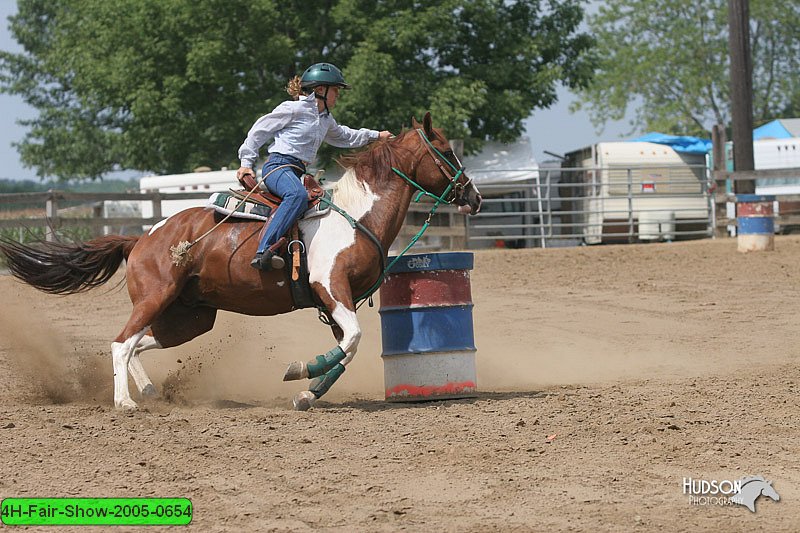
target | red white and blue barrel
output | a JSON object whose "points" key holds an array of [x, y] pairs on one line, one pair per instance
{"points": [[426, 326], [755, 222]]}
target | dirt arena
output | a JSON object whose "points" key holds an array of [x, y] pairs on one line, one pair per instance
{"points": [[608, 375]]}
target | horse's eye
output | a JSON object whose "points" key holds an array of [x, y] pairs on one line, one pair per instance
{"points": [[448, 154]]}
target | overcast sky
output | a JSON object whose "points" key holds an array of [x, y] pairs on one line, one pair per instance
{"points": [[555, 129]]}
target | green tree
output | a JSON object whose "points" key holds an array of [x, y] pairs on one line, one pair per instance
{"points": [[670, 59], [168, 85]]}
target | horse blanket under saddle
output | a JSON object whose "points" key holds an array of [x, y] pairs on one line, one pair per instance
{"points": [[233, 203]]}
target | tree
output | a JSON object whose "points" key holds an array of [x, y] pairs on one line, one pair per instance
{"points": [[670, 57], [168, 85]]}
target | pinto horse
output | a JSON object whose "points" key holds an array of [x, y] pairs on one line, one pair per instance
{"points": [[175, 301]]}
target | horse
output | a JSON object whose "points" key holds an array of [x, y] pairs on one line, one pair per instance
{"points": [[176, 301], [752, 488]]}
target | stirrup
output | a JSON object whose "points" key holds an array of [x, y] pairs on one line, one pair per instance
{"points": [[267, 261], [277, 262]]}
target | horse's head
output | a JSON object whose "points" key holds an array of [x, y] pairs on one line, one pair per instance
{"points": [[768, 491], [439, 171]]}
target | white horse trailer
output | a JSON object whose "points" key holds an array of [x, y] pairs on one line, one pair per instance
{"points": [[636, 191], [508, 177], [212, 181]]}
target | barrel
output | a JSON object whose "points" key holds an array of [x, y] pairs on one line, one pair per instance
{"points": [[426, 328], [755, 222]]}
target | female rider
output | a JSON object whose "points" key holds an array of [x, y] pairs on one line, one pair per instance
{"points": [[297, 129]]}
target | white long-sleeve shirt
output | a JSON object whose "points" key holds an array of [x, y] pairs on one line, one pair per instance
{"points": [[298, 129]]}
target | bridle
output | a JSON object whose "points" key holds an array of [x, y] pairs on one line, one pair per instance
{"points": [[454, 189]]}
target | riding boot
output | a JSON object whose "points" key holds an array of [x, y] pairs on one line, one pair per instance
{"points": [[269, 260]]}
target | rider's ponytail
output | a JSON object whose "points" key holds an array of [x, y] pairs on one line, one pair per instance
{"points": [[293, 88]]}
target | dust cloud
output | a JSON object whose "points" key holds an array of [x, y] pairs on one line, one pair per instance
{"points": [[37, 356], [243, 360]]}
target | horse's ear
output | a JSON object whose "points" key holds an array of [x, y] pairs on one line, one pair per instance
{"points": [[414, 124], [427, 125]]}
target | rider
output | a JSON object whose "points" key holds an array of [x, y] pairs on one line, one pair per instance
{"points": [[298, 127]]}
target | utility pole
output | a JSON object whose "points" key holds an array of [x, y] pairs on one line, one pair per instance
{"points": [[741, 91]]}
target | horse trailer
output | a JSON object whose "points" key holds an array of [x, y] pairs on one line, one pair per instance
{"points": [[211, 181], [635, 192], [509, 180]]}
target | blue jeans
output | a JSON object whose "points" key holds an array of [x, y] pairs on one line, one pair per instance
{"points": [[285, 184]]}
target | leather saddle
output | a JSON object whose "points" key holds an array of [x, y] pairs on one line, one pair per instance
{"points": [[262, 196]]}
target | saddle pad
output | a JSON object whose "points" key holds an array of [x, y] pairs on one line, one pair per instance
{"points": [[227, 204]]}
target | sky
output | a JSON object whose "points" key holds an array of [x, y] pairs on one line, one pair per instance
{"points": [[554, 129]]}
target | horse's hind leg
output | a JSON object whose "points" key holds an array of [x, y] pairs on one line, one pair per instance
{"points": [[174, 325], [178, 323], [121, 353], [140, 377], [147, 306]]}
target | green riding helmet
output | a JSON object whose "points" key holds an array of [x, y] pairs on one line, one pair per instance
{"points": [[322, 74]]}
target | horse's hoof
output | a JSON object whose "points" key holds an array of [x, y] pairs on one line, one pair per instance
{"points": [[304, 400], [126, 405], [296, 370], [149, 391]]}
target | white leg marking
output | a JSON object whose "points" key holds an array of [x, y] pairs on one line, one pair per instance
{"points": [[326, 237], [121, 353], [136, 369], [348, 321]]}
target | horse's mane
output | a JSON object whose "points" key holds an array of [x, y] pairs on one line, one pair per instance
{"points": [[348, 190], [372, 164], [380, 156]]}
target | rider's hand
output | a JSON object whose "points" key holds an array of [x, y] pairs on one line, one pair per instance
{"points": [[243, 171], [385, 135]]}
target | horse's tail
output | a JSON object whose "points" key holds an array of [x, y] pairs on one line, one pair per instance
{"points": [[59, 268]]}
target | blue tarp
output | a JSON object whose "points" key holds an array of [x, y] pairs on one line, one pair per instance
{"points": [[771, 130], [683, 144]]}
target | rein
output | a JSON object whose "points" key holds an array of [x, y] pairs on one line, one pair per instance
{"points": [[441, 199], [453, 187]]}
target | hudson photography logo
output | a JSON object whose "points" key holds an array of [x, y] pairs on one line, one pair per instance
{"points": [[744, 491]]}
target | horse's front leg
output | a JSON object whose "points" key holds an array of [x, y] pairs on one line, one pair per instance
{"points": [[326, 369], [321, 364]]}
